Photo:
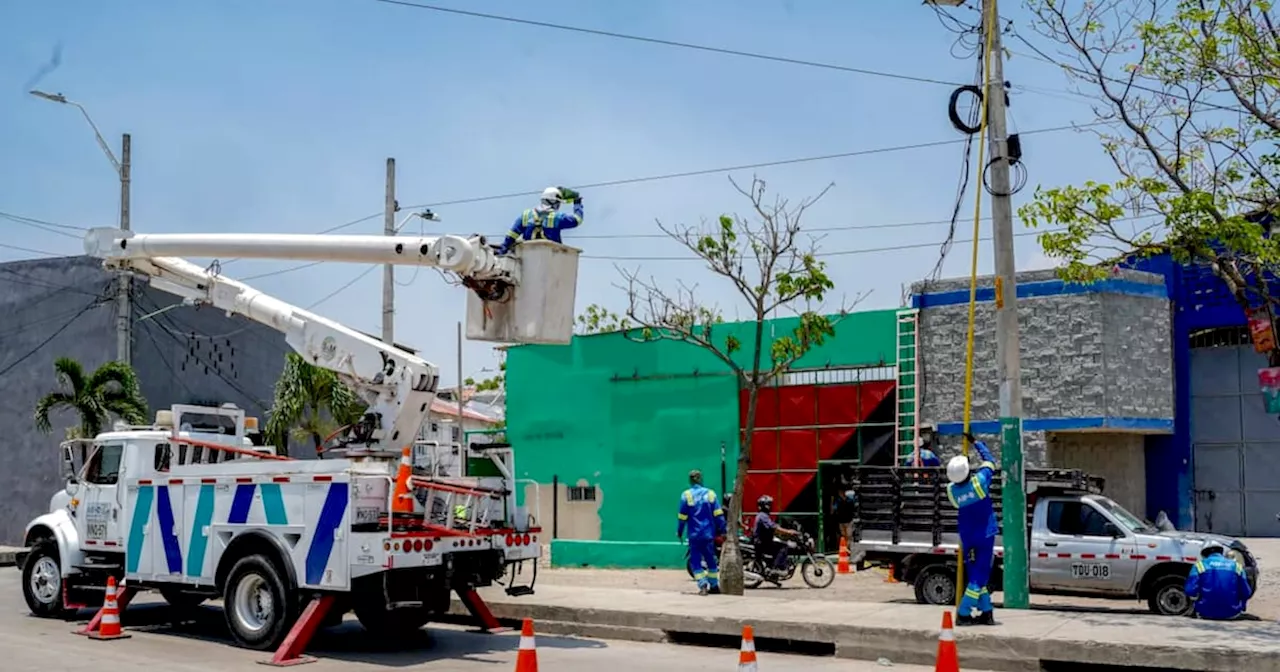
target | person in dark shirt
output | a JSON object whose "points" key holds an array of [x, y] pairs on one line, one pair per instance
{"points": [[767, 532]]}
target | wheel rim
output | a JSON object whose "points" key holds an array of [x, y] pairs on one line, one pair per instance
{"points": [[1172, 600], [46, 580], [938, 589], [254, 604], [818, 574]]}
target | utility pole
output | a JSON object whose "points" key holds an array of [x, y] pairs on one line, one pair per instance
{"points": [[124, 313], [388, 270], [462, 433], [1008, 364]]}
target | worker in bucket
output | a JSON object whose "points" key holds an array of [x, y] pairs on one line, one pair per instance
{"points": [[1217, 586], [702, 515], [545, 222], [970, 492]]}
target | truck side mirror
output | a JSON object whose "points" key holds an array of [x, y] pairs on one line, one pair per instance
{"points": [[72, 486], [69, 466]]}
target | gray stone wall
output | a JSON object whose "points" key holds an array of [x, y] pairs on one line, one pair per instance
{"points": [[1083, 355], [182, 355], [1119, 458]]}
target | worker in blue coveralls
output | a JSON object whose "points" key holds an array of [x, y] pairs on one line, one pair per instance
{"points": [[545, 222], [1217, 586], [705, 520], [970, 493]]}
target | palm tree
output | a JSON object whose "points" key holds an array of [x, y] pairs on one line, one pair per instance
{"points": [[111, 390], [310, 403]]}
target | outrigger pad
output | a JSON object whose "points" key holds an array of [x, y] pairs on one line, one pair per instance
{"points": [[489, 623], [291, 649]]}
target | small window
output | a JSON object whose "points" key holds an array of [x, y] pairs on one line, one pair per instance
{"points": [[1077, 519], [456, 433], [163, 455], [104, 466], [582, 493], [435, 428]]}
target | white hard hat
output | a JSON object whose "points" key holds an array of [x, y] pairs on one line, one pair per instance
{"points": [[551, 195], [958, 469]]}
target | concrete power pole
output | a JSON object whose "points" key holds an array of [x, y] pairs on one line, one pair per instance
{"points": [[1008, 360], [124, 316], [388, 271]]}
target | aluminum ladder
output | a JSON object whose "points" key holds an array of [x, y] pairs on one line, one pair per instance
{"points": [[908, 392]]}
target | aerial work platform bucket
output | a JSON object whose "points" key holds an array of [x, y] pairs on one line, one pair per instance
{"points": [[540, 309]]}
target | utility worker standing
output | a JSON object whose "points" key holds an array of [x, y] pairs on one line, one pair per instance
{"points": [[700, 512], [545, 222], [970, 493], [1217, 586]]}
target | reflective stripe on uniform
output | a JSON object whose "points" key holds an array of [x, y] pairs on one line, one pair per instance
{"points": [[682, 516], [977, 487]]}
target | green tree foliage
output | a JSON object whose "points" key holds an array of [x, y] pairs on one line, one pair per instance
{"points": [[772, 265], [311, 403], [111, 390], [599, 320], [1186, 94], [494, 383]]}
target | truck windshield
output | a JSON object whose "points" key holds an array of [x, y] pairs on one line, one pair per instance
{"points": [[1128, 519]]}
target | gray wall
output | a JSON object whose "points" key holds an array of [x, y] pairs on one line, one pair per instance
{"points": [[182, 355], [1083, 355]]}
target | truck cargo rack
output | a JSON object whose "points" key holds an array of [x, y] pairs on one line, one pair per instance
{"points": [[910, 504]]}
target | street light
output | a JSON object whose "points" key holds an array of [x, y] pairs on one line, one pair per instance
{"points": [[124, 336], [59, 98]]}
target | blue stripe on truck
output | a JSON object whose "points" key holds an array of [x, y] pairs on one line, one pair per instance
{"points": [[164, 517], [331, 514], [240, 505]]}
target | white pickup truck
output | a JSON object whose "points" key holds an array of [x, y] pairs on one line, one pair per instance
{"points": [[1081, 542]]}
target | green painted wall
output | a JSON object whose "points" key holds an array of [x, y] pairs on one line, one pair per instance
{"points": [[634, 418]]}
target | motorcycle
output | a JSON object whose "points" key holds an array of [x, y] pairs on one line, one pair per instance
{"points": [[815, 570]]}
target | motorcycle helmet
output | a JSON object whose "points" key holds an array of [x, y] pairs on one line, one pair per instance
{"points": [[764, 503]]}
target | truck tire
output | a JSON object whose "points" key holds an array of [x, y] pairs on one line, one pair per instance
{"points": [[259, 606], [1168, 597], [42, 581], [936, 585]]}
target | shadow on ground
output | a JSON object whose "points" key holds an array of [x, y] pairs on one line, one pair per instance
{"points": [[347, 642]]}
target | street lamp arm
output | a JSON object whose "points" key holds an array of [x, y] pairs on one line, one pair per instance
{"points": [[96, 134]]}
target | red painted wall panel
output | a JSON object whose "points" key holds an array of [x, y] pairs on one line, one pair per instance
{"points": [[797, 406], [798, 449], [766, 408], [830, 441], [757, 485], [838, 404], [790, 486], [764, 449]]}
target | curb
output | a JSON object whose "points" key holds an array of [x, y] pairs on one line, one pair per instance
{"points": [[9, 557], [900, 645]]}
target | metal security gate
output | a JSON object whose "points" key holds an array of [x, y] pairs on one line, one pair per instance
{"points": [[1236, 445]]}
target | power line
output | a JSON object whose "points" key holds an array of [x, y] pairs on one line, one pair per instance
{"points": [[343, 288], [30, 250], [52, 336], [672, 43], [36, 224], [42, 222]]}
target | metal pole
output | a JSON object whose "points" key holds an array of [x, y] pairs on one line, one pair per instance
{"points": [[555, 506], [124, 317], [1008, 364], [463, 448], [388, 270]]}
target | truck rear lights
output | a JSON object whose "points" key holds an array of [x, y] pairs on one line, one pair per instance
{"points": [[417, 545], [427, 545], [526, 539], [511, 540]]}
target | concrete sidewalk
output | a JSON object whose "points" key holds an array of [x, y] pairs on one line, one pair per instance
{"points": [[8, 555], [903, 633]]}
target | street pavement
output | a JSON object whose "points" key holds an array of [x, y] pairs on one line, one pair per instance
{"points": [[201, 644]]}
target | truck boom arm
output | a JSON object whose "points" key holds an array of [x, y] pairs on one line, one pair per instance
{"points": [[396, 385]]}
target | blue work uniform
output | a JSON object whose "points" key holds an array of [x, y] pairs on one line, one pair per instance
{"points": [[541, 225], [978, 529], [1218, 587], [702, 515]]}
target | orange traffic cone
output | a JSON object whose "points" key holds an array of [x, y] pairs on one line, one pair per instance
{"points": [[109, 627], [842, 566], [948, 659], [747, 656], [527, 657], [401, 498]]}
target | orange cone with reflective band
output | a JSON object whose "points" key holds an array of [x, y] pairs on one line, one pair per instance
{"points": [[401, 498], [527, 657], [948, 659], [842, 567], [747, 656], [109, 626]]}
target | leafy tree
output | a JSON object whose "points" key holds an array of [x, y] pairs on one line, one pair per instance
{"points": [[772, 265], [310, 403], [1187, 110], [494, 383], [599, 320], [111, 390]]}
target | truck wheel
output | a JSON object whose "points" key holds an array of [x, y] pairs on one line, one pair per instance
{"points": [[1169, 597], [42, 581], [936, 585], [258, 605]]}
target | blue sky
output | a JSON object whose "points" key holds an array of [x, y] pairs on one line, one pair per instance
{"points": [[278, 115]]}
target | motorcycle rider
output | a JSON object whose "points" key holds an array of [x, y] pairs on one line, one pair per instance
{"points": [[766, 533], [970, 493], [705, 520]]}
